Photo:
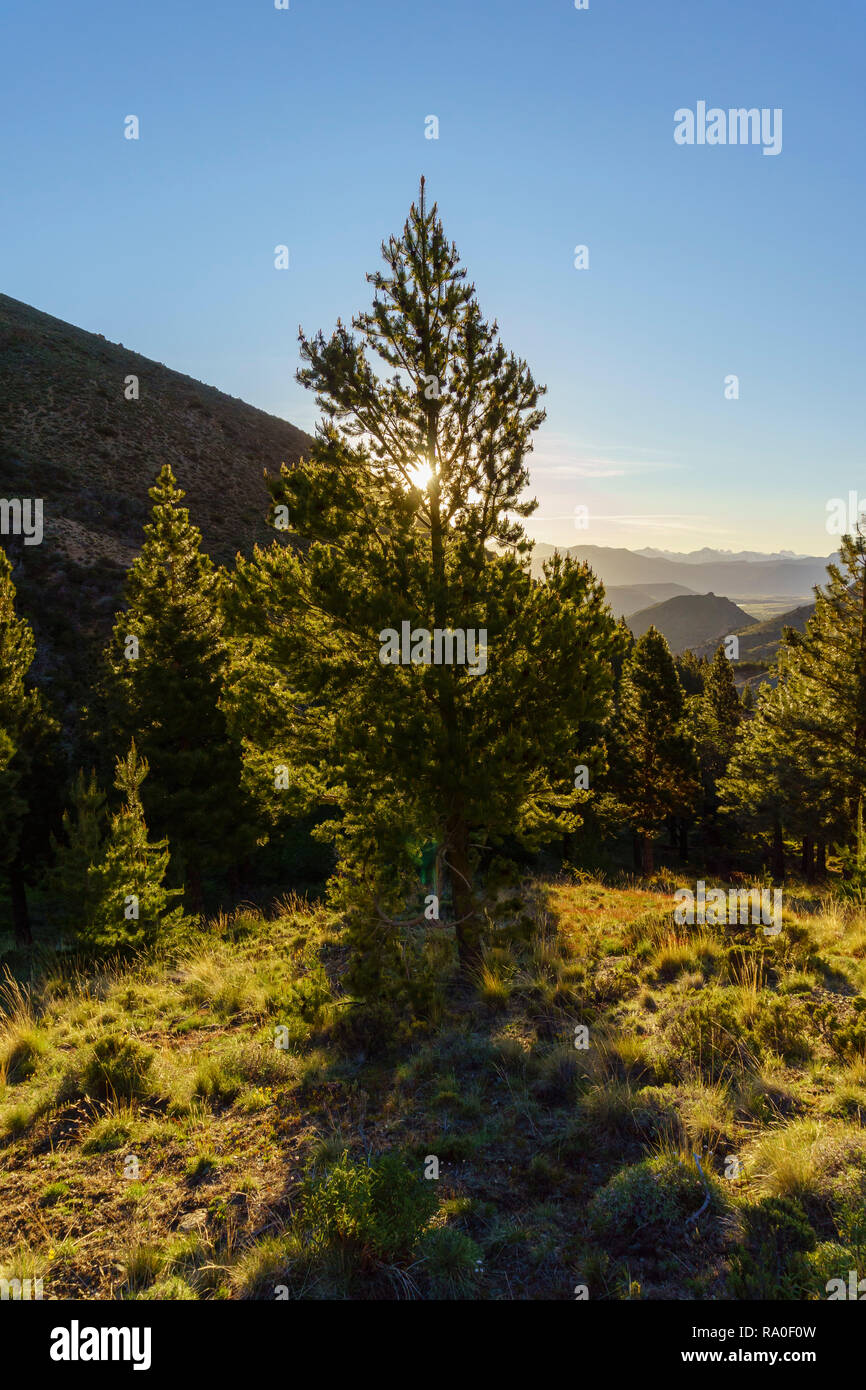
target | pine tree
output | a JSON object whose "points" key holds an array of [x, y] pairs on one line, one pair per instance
{"points": [[757, 787], [409, 509], [825, 683], [29, 766], [79, 849], [720, 716], [692, 671], [168, 661], [801, 763], [126, 906], [655, 769]]}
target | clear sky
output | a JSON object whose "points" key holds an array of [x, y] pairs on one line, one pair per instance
{"points": [[306, 127]]}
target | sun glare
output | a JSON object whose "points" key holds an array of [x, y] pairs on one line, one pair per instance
{"points": [[420, 475]]}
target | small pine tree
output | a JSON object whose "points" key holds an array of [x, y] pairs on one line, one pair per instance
{"points": [[168, 662], [718, 718], [655, 766], [128, 906], [79, 849]]}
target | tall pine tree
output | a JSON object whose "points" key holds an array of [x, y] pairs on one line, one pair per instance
{"points": [[409, 508], [168, 660]]}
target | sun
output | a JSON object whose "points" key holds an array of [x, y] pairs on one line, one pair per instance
{"points": [[420, 475]]}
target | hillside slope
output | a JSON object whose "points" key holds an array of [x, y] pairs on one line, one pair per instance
{"points": [[557, 1163], [690, 620], [760, 642], [630, 598], [69, 436]]}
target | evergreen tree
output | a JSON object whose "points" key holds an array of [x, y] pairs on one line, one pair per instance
{"points": [[757, 787], [655, 770], [720, 716], [81, 846], [125, 905], [802, 761], [29, 765], [692, 671], [168, 661], [825, 684], [409, 508]]}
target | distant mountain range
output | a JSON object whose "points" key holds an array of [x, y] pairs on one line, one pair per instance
{"points": [[791, 577], [677, 594], [707, 556]]}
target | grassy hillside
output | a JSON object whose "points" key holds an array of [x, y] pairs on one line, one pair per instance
{"points": [[260, 1169], [691, 620], [69, 436], [760, 641]]}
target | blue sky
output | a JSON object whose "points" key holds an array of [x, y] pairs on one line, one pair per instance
{"points": [[306, 127]]}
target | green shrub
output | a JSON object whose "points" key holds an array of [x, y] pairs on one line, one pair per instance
{"points": [[377, 1209], [363, 1027], [647, 1205], [782, 1025], [827, 1261], [559, 1078], [707, 1034], [769, 1263]]}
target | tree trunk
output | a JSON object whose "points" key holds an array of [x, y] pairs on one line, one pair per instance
{"points": [[635, 851], [467, 921], [807, 860], [234, 882], [684, 840], [821, 858], [777, 859], [20, 910], [194, 891], [647, 860]]}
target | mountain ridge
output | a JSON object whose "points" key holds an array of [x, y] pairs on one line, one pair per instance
{"points": [[689, 619], [69, 435]]}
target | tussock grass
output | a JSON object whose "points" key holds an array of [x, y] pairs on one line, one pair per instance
{"points": [[258, 1097]]}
